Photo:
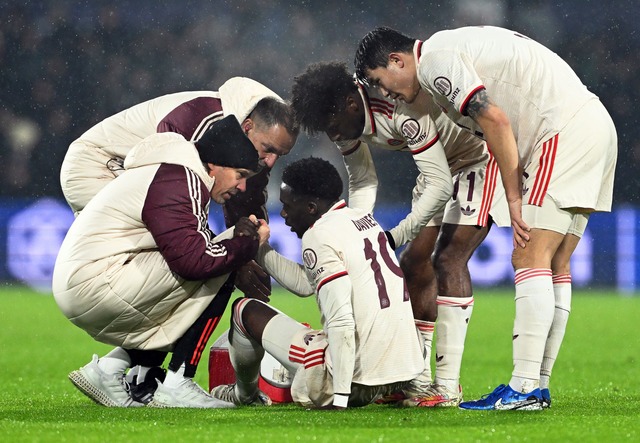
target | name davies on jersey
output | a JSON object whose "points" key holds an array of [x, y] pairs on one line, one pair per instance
{"points": [[364, 223]]}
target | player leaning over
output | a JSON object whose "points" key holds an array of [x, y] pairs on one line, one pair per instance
{"points": [[96, 157], [369, 346], [555, 145], [326, 98]]}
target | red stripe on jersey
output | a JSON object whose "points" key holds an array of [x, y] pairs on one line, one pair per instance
{"points": [[528, 273], [382, 104], [561, 278], [427, 146], [330, 279], [545, 169], [383, 111], [488, 190], [463, 107], [352, 150], [383, 107]]}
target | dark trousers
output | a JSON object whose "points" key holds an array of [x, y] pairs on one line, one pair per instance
{"points": [[189, 348]]}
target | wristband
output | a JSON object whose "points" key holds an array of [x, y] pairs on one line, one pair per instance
{"points": [[390, 239]]}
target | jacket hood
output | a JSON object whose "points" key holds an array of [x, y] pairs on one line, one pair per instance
{"points": [[168, 147], [239, 95]]}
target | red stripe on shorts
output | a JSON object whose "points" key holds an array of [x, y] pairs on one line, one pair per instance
{"points": [[543, 174]]}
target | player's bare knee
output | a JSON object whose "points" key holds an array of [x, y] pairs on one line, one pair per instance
{"points": [[416, 267], [445, 261]]}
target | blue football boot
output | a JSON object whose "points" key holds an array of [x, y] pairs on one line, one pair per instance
{"points": [[546, 398], [504, 398]]}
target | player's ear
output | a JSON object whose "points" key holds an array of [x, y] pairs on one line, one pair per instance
{"points": [[312, 207], [352, 103], [396, 58], [247, 125]]}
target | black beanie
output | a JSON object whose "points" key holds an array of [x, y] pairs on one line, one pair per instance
{"points": [[225, 144]]}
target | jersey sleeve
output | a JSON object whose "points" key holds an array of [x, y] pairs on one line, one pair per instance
{"points": [[363, 179], [433, 167], [323, 262], [450, 74], [175, 212], [287, 273], [334, 300]]}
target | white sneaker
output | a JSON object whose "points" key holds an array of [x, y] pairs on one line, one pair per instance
{"points": [[187, 395], [105, 389], [228, 393]]}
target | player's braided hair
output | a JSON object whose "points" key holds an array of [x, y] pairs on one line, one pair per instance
{"points": [[270, 111], [313, 177], [374, 49], [319, 92]]}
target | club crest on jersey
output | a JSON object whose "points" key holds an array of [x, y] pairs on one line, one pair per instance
{"points": [[309, 257], [443, 85], [410, 128]]}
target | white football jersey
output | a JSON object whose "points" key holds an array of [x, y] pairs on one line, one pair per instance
{"points": [[439, 148], [537, 90], [415, 127], [349, 244]]}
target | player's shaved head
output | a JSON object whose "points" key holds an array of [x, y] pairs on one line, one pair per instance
{"points": [[319, 93], [270, 112]]}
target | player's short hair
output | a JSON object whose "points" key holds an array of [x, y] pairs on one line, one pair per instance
{"points": [[271, 111], [313, 177], [319, 92], [374, 49]]}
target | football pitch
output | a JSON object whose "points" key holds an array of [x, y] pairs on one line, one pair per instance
{"points": [[595, 385]]}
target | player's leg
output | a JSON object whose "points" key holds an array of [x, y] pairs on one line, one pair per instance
{"points": [[454, 248], [561, 271], [179, 389], [256, 327], [534, 306], [415, 262]]}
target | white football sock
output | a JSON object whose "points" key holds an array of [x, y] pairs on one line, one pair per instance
{"points": [[454, 314], [426, 332], [534, 314], [115, 362], [562, 293], [245, 354], [175, 379]]}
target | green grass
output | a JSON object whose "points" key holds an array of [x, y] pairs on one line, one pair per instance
{"points": [[595, 386]]}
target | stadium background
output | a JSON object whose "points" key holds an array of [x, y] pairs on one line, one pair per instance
{"points": [[66, 65]]}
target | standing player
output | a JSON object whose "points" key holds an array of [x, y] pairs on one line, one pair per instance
{"points": [[369, 347], [542, 125], [96, 157], [327, 99]]}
